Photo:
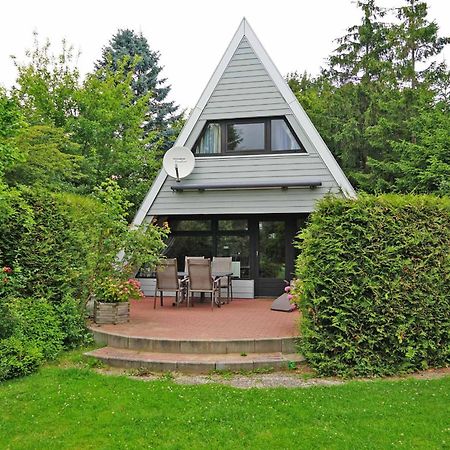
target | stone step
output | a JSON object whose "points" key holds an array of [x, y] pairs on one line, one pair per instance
{"points": [[193, 363], [215, 346]]}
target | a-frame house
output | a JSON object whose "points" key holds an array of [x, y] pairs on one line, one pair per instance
{"points": [[260, 168]]}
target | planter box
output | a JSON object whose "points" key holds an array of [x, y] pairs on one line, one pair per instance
{"points": [[107, 313]]}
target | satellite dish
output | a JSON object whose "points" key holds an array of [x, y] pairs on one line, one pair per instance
{"points": [[179, 162]]}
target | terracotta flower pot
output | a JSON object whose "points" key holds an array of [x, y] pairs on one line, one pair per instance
{"points": [[111, 313]]}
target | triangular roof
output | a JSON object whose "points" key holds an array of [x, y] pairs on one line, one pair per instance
{"points": [[245, 31]]}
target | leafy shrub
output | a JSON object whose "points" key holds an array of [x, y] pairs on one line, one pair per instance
{"points": [[7, 320], [40, 237], [18, 357], [36, 335], [59, 247], [37, 322], [374, 285], [71, 314]]}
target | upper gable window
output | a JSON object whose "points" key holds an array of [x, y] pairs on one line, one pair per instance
{"points": [[247, 136], [210, 141], [282, 137]]}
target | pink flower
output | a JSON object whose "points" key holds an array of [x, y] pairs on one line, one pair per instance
{"points": [[287, 289], [7, 269], [290, 296]]}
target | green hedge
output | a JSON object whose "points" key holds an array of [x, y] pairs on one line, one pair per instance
{"points": [[47, 237], [374, 285], [45, 240]]}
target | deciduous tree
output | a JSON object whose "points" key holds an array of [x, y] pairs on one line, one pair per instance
{"points": [[161, 114]]}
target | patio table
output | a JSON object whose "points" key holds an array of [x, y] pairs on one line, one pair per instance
{"points": [[215, 275]]}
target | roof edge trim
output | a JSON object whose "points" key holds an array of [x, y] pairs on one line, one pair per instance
{"points": [[245, 30]]}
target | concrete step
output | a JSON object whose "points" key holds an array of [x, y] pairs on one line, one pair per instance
{"points": [[192, 362], [215, 346]]}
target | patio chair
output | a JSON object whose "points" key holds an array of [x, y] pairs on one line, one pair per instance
{"points": [[187, 259], [224, 264], [200, 280], [167, 280]]}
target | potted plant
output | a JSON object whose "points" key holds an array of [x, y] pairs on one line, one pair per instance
{"points": [[113, 295], [117, 252]]}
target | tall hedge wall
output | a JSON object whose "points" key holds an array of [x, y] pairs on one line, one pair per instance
{"points": [[374, 285], [43, 276]]}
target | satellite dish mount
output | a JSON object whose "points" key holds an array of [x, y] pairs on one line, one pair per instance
{"points": [[179, 162]]}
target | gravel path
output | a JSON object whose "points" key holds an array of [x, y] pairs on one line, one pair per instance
{"points": [[295, 379], [267, 380]]}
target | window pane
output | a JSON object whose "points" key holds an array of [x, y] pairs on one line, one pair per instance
{"points": [[245, 136], [282, 137], [226, 225], [272, 258], [210, 140], [238, 247], [181, 246], [190, 225]]}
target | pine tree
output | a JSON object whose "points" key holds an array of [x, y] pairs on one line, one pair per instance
{"points": [[162, 114]]}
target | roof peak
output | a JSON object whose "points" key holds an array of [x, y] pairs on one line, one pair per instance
{"points": [[245, 30]]}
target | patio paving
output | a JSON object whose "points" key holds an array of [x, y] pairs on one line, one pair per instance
{"points": [[240, 319]]}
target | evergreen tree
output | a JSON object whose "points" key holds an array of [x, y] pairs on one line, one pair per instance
{"points": [[127, 45], [362, 70], [417, 41], [364, 54], [422, 164]]}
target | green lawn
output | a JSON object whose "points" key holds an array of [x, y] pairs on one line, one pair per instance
{"points": [[78, 408]]}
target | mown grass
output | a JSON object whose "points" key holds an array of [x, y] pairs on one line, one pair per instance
{"points": [[76, 408]]}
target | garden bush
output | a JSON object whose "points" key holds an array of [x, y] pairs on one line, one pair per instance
{"points": [[37, 321], [374, 285], [35, 336], [43, 238], [71, 314], [60, 247], [18, 357]]}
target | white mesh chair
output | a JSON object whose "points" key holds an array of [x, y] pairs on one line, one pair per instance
{"points": [[200, 280], [224, 264], [167, 280]]}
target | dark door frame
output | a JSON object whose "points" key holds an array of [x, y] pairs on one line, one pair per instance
{"points": [[268, 286]]}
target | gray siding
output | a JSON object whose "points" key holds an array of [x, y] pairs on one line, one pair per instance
{"points": [[246, 90], [254, 168]]}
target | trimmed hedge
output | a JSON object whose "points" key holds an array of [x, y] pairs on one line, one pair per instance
{"points": [[374, 285], [44, 239], [47, 236]]}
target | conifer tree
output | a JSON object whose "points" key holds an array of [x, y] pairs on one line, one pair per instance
{"points": [[364, 54], [135, 50], [417, 40]]}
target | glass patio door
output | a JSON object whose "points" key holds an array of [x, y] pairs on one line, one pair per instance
{"points": [[270, 257]]}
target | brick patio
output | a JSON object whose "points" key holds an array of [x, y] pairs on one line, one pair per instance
{"points": [[240, 319]]}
